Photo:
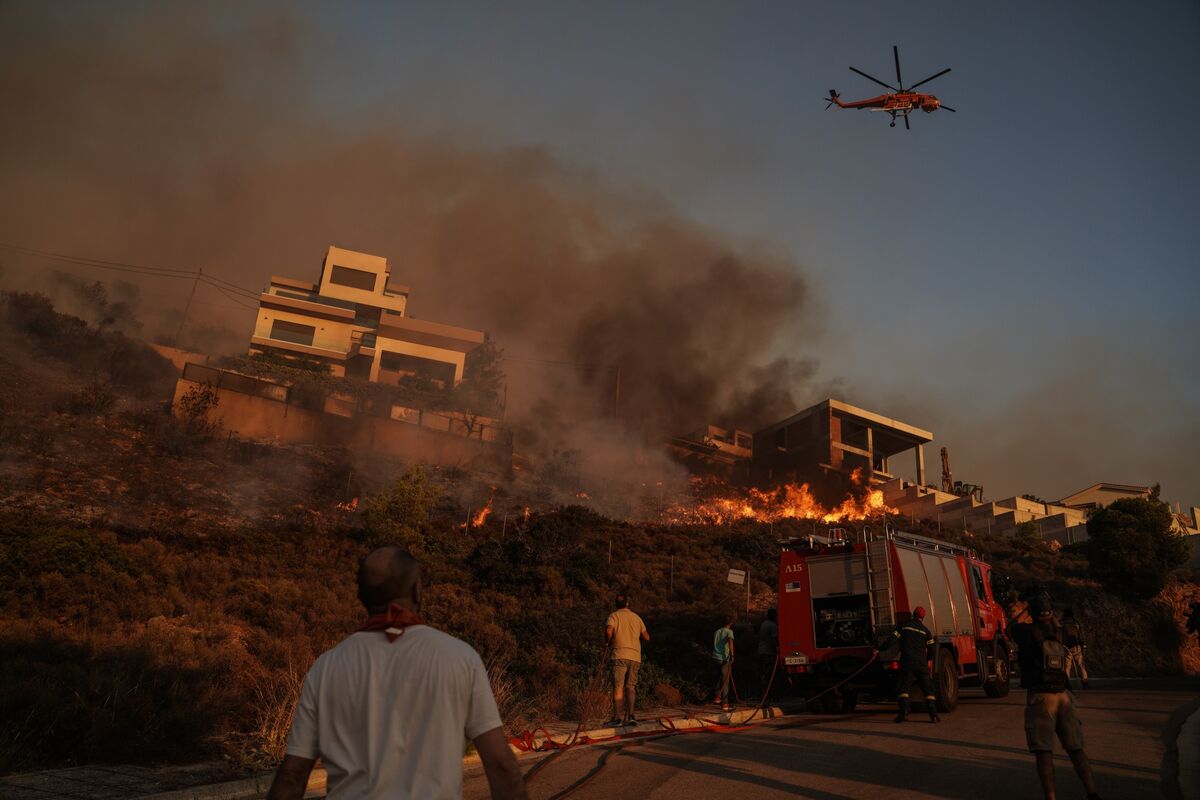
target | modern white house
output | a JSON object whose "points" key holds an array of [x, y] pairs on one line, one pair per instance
{"points": [[354, 320]]}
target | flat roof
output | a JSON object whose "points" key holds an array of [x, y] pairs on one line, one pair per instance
{"points": [[1116, 487], [434, 334], [877, 421]]}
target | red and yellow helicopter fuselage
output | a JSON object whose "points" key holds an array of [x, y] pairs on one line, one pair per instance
{"points": [[894, 103]]}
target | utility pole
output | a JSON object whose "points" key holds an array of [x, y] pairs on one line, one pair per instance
{"points": [[617, 396], [188, 305]]}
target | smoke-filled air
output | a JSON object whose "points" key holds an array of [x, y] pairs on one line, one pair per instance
{"points": [[179, 139]]}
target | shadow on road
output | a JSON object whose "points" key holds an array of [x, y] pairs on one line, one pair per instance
{"points": [[765, 760], [897, 733]]}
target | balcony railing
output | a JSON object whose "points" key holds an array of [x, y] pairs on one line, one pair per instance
{"points": [[313, 297]]}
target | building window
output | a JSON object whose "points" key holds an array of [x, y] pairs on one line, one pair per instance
{"points": [[354, 278], [286, 331]]}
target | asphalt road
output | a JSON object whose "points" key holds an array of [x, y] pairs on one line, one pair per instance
{"points": [[976, 752]]}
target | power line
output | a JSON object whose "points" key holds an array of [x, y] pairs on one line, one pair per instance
{"points": [[137, 269], [98, 262], [212, 279], [232, 298], [230, 292]]}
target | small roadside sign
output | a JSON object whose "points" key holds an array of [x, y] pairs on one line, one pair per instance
{"points": [[737, 576]]}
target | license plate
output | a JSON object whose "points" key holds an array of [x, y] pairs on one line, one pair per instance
{"points": [[792, 661]]}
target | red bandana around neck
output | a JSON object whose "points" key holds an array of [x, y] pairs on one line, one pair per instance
{"points": [[393, 622]]}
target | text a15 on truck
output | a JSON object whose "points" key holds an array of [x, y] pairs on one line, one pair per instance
{"points": [[838, 597]]}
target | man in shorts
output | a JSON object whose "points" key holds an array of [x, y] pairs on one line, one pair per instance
{"points": [[624, 632], [1049, 705]]}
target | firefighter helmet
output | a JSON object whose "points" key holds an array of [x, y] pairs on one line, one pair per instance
{"points": [[919, 612]]}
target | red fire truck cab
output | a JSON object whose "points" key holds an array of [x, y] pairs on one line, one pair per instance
{"points": [[841, 595]]}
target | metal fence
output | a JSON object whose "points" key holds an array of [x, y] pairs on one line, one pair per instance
{"points": [[235, 381]]}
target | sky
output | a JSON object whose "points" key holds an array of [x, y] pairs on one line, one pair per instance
{"points": [[1019, 277]]}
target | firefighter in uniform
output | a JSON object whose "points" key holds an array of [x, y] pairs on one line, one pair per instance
{"points": [[916, 650]]}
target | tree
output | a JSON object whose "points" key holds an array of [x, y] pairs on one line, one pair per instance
{"points": [[400, 515], [482, 388], [1131, 547], [1027, 533]]}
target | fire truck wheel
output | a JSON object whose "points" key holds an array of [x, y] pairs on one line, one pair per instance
{"points": [[1001, 680], [946, 682]]}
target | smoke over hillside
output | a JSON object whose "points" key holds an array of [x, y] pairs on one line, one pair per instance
{"points": [[188, 139]]}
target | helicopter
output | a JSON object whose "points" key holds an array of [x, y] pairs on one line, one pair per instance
{"points": [[899, 102]]}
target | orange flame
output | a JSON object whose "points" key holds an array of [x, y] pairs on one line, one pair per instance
{"points": [[485, 512], [787, 502]]}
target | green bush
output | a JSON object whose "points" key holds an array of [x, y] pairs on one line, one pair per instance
{"points": [[400, 515]]}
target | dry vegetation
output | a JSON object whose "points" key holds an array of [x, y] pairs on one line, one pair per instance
{"points": [[164, 587]]}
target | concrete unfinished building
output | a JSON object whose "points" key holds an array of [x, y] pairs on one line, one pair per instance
{"points": [[836, 438]]}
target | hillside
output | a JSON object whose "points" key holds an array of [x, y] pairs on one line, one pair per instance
{"points": [[163, 586]]}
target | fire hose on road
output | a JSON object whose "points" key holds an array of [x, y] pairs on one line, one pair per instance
{"points": [[527, 740]]}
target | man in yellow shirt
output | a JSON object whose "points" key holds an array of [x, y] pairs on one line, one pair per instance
{"points": [[625, 632]]}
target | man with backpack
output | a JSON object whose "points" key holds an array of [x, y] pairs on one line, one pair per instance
{"points": [[1049, 705], [1072, 637]]}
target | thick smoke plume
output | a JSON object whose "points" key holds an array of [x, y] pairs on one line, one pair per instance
{"points": [[189, 139]]}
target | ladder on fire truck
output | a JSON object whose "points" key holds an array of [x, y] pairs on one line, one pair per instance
{"points": [[879, 582]]}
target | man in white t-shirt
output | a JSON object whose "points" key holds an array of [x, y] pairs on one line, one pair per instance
{"points": [[389, 709]]}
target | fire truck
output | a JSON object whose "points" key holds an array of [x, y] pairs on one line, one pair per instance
{"points": [[844, 593]]}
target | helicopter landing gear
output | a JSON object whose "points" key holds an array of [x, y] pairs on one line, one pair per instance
{"points": [[893, 124]]}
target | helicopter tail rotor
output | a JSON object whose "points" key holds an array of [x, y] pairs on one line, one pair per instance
{"points": [[833, 98]]}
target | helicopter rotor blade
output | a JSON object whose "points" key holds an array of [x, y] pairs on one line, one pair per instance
{"points": [[896, 55], [868, 77], [946, 108], [931, 77]]}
